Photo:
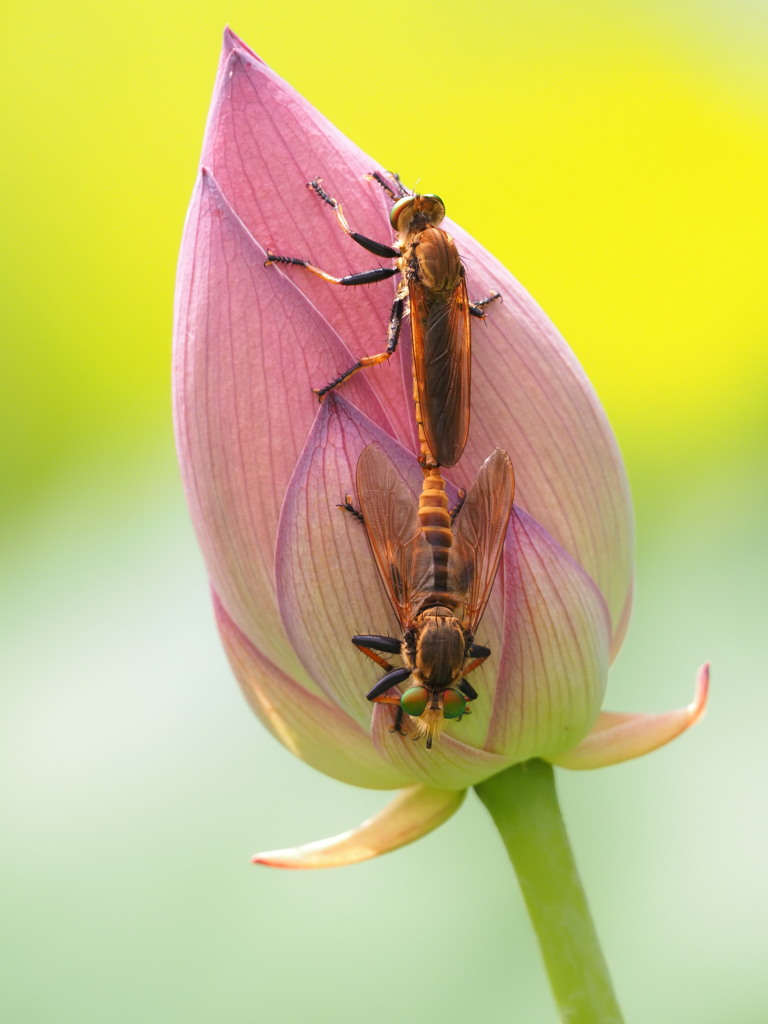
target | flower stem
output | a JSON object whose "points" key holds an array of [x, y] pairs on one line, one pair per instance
{"points": [[523, 804]]}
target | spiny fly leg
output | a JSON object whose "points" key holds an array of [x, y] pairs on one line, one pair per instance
{"points": [[347, 506], [377, 248], [384, 644], [468, 689], [398, 723], [461, 498], [479, 659], [316, 187], [373, 647], [363, 277], [393, 334], [477, 308], [391, 184]]}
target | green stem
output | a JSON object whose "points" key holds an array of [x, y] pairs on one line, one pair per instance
{"points": [[523, 804]]}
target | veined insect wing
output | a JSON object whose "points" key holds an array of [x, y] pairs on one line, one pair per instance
{"points": [[441, 337], [392, 524], [480, 530]]}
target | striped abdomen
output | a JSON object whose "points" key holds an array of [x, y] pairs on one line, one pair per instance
{"points": [[435, 522]]}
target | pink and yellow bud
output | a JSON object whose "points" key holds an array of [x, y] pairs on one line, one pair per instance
{"points": [[265, 465]]}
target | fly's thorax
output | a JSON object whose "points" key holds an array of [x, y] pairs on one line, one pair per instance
{"points": [[433, 259], [440, 649]]}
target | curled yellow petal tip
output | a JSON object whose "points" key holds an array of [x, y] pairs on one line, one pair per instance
{"points": [[412, 814], [617, 737]]}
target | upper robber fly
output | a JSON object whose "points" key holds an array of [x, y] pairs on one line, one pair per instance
{"points": [[433, 282]]}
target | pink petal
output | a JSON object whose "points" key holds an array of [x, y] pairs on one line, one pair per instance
{"points": [[264, 142], [450, 764], [327, 583], [620, 737], [244, 405], [309, 725], [411, 815], [554, 664], [531, 397]]}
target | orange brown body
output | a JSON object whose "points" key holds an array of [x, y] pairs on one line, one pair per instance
{"points": [[438, 575], [433, 290]]}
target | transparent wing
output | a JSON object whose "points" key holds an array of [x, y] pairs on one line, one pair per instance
{"points": [[480, 531], [440, 328], [390, 513]]}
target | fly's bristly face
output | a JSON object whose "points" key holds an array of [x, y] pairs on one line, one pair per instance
{"points": [[429, 708], [412, 214]]}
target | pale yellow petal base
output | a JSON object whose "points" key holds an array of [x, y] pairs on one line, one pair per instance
{"points": [[412, 814], [618, 737]]}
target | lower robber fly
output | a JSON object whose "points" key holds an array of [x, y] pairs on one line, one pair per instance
{"points": [[438, 575], [434, 284]]}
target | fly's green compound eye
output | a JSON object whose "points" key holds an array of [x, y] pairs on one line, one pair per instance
{"points": [[454, 704], [414, 700], [397, 209], [433, 207]]}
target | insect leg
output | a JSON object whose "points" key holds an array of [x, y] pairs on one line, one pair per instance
{"points": [[385, 644], [377, 248], [394, 188], [479, 658], [347, 506], [462, 497], [393, 334], [392, 678], [378, 695], [398, 726], [476, 308], [372, 645], [468, 690], [364, 277], [377, 658]]}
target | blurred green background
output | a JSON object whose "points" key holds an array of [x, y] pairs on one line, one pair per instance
{"points": [[615, 156]]}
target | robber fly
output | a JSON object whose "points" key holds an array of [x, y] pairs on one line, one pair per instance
{"points": [[434, 284], [438, 575]]}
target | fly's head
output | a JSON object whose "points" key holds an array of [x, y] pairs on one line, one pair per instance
{"points": [[414, 213]]}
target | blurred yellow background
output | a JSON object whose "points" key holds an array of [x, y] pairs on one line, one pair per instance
{"points": [[615, 157]]}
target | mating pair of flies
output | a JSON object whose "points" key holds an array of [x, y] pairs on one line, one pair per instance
{"points": [[437, 566]]}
